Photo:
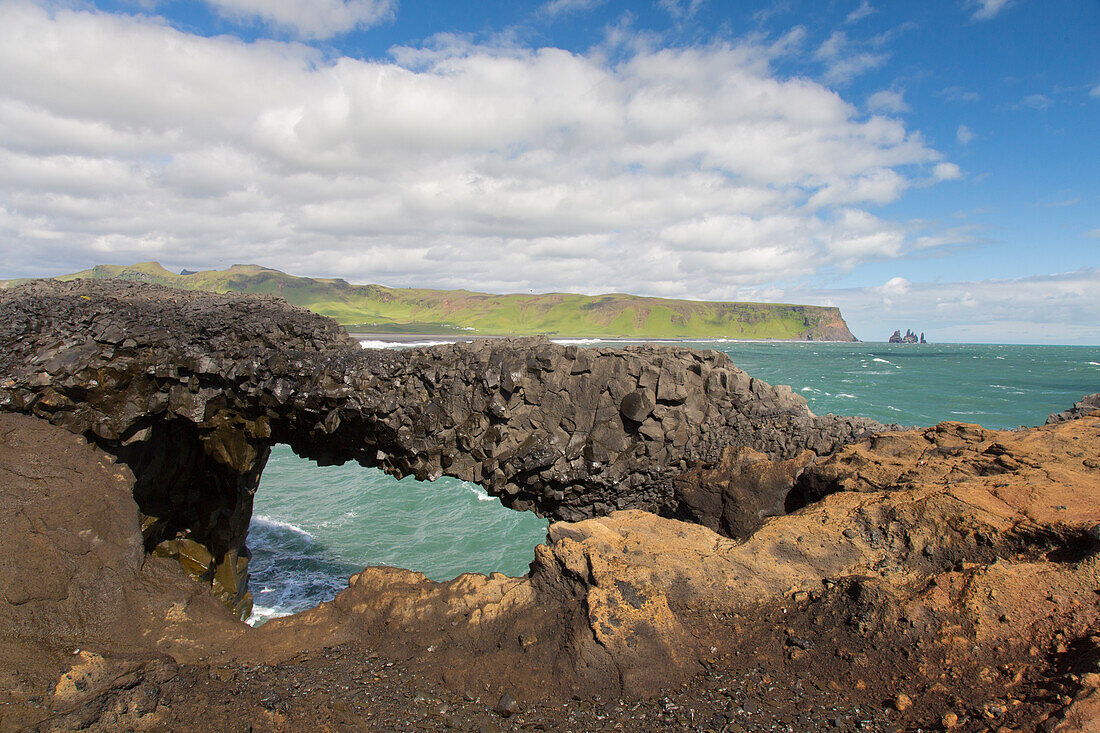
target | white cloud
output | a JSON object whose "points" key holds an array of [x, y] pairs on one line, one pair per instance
{"points": [[1035, 101], [887, 100], [946, 172], [964, 135], [896, 286], [1095, 91], [681, 8], [987, 9], [688, 171], [311, 19], [1094, 233], [861, 12], [774, 8], [554, 8], [1060, 308], [958, 94], [944, 238], [843, 62]]}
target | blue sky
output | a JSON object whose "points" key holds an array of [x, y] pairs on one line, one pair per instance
{"points": [[926, 165]]}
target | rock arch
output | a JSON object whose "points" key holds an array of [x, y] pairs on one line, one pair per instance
{"points": [[191, 389]]}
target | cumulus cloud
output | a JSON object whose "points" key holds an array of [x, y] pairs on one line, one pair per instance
{"points": [[1060, 308], [895, 286], [310, 19], [987, 9], [1095, 91], [964, 135], [682, 172]]}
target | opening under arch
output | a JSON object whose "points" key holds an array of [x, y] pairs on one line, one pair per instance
{"points": [[313, 527]]}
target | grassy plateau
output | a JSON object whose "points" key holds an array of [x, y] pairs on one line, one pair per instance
{"points": [[379, 309]]}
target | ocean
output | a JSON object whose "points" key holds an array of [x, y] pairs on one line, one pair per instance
{"points": [[313, 527]]}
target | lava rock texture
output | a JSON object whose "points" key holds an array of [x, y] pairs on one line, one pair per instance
{"points": [[191, 389]]}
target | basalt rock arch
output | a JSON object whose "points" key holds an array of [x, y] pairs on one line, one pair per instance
{"points": [[191, 390]]}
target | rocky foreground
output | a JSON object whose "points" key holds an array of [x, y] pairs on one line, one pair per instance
{"points": [[939, 578]]}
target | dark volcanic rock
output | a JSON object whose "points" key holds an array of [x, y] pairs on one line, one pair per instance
{"points": [[735, 497], [191, 389], [1087, 406]]}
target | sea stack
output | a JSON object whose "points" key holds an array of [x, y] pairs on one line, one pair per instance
{"points": [[908, 338]]}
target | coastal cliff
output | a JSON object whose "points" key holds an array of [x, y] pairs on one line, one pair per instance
{"points": [[944, 577], [191, 389], [376, 308]]}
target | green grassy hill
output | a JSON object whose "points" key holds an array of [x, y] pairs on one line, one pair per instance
{"points": [[378, 309]]}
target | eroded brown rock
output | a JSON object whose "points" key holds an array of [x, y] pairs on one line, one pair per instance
{"points": [[962, 589], [628, 603], [86, 618]]}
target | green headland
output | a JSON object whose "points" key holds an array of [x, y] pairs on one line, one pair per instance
{"points": [[384, 310]]}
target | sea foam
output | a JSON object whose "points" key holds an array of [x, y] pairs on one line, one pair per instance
{"points": [[477, 491], [374, 344], [269, 523]]}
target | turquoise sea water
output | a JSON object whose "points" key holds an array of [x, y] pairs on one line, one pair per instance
{"points": [[313, 527]]}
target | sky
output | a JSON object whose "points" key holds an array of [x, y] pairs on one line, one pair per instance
{"points": [[931, 165]]}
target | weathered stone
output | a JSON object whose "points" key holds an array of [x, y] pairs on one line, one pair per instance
{"points": [[637, 406], [220, 378]]}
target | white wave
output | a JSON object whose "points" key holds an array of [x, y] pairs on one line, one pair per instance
{"points": [[846, 395], [339, 521], [261, 615], [1094, 363], [419, 344], [891, 407], [963, 412], [268, 522], [479, 492], [882, 361], [810, 389], [373, 344], [576, 342]]}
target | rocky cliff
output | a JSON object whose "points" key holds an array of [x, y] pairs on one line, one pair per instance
{"points": [[941, 578], [949, 581], [191, 389]]}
